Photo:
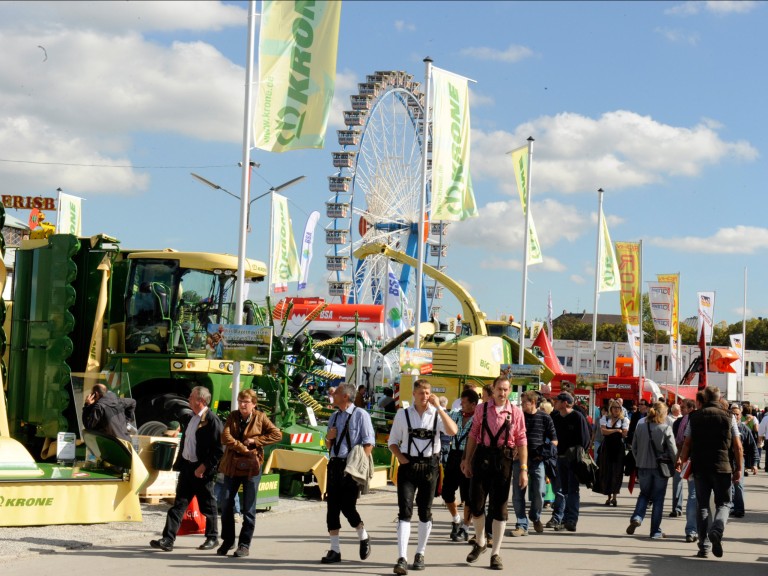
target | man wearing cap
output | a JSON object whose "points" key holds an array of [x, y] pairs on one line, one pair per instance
{"points": [[496, 437], [572, 430]]}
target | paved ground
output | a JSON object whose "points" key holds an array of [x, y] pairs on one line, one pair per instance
{"points": [[291, 539]]}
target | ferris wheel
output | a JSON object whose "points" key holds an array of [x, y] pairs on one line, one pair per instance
{"points": [[376, 195]]}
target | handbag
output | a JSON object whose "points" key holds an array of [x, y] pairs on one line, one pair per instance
{"points": [[248, 464], [664, 463]]}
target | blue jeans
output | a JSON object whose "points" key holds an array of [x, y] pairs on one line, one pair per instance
{"points": [[537, 486], [690, 508], [229, 495], [653, 487], [706, 484], [567, 497]]}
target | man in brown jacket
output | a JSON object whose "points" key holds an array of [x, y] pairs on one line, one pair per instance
{"points": [[246, 432]]}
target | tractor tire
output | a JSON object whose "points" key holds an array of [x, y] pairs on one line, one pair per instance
{"points": [[152, 428], [165, 407]]}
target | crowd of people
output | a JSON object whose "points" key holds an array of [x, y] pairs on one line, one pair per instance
{"points": [[494, 456]]}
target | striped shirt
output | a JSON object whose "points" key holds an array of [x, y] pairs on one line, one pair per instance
{"points": [[538, 426]]}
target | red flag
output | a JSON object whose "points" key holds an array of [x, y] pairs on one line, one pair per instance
{"points": [[703, 365]]}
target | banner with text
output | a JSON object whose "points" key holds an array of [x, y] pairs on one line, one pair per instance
{"points": [[298, 42], [520, 166], [661, 298], [628, 255], [285, 260], [607, 268], [674, 279], [706, 314], [452, 196], [306, 249], [69, 220]]}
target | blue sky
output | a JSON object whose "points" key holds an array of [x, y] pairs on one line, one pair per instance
{"points": [[659, 103]]}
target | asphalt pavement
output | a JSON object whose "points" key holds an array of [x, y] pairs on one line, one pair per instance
{"points": [[291, 538]]}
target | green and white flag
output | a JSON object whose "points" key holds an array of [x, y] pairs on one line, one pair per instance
{"points": [[608, 268], [298, 42], [285, 261], [520, 166], [452, 196]]}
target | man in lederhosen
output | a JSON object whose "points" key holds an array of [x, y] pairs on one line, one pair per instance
{"points": [[496, 437], [415, 441], [348, 427]]}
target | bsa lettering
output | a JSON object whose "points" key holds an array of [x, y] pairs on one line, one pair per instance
{"points": [[326, 315]]}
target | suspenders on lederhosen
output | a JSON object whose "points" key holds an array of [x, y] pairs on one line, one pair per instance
{"points": [[422, 465], [493, 457]]}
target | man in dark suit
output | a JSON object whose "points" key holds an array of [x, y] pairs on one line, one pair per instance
{"points": [[200, 452]]}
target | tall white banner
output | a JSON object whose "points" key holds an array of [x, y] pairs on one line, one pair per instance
{"points": [[706, 314], [737, 344], [661, 296], [306, 248], [395, 319], [607, 265], [633, 339], [69, 220], [452, 196], [285, 261]]}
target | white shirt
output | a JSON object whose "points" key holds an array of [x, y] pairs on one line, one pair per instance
{"points": [[189, 452], [398, 435], [762, 430]]}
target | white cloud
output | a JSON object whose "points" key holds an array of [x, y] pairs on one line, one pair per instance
{"points": [[346, 85], [121, 17], [514, 53], [714, 6], [477, 99], [620, 149], [730, 6], [403, 26], [737, 240], [576, 279], [679, 36]]}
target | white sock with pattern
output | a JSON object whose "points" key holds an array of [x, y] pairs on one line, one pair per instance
{"points": [[403, 535], [424, 529]]}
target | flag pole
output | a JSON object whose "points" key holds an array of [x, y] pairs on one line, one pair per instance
{"points": [[597, 275], [526, 249], [743, 340], [640, 319], [244, 191], [422, 200]]}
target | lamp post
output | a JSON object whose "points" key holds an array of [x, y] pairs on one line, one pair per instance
{"points": [[269, 193]]}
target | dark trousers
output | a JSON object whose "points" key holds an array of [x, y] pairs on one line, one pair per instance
{"points": [[341, 496], [229, 495], [708, 484], [491, 479], [454, 479], [187, 488], [417, 479]]}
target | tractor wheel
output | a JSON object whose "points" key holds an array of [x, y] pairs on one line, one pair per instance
{"points": [[152, 428], [163, 408]]}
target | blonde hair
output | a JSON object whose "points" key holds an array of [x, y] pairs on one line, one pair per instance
{"points": [[546, 405], [657, 413]]}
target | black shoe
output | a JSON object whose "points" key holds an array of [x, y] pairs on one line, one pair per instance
{"points": [[702, 554], [331, 558], [496, 562], [209, 544], [401, 567], [633, 525], [224, 549], [418, 562], [241, 551], [738, 515], [551, 524], [455, 527], [570, 526], [163, 544], [717, 544], [463, 534], [675, 513], [475, 554], [365, 548]]}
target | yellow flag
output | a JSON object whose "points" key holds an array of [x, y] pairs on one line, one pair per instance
{"points": [[452, 196], [285, 263], [520, 166], [607, 269], [298, 42], [628, 254]]}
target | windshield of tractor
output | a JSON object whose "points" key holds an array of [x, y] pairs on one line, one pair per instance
{"points": [[169, 307]]}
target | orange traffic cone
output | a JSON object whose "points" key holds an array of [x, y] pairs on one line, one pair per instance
{"points": [[193, 522]]}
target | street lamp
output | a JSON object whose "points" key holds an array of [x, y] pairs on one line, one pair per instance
{"points": [[269, 193]]}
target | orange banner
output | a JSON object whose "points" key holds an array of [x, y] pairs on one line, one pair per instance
{"points": [[628, 256], [675, 280]]}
